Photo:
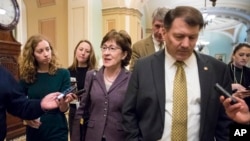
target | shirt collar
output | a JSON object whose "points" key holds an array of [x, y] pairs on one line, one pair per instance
{"points": [[170, 60]]}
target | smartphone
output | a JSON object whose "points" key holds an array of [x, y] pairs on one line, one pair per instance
{"points": [[67, 91], [223, 92], [248, 88], [79, 92]]}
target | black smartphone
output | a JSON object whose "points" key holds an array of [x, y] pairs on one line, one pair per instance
{"points": [[67, 91], [223, 92], [248, 88], [79, 92]]}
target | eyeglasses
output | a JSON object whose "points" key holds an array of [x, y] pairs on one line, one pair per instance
{"points": [[110, 48]]}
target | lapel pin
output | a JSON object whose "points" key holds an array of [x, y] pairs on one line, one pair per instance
{"points": [[205, 68]]}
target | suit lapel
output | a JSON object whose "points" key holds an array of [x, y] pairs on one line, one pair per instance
{"points": [[100, 80], [159, 79], [123, 75], [150, 49], [204, 69]]}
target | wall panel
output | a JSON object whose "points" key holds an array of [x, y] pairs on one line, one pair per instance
{"points": [[47, 27]]}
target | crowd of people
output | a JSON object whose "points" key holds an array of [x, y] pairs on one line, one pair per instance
{"points": [[139, 104]]}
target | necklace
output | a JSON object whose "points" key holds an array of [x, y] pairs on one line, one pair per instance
{"points": [[110, 81], [241, 74], [113, 77]]}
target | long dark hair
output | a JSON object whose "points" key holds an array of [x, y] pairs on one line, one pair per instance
{"points": [[238, 47]]}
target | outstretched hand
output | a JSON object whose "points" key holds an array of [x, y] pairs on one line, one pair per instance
{"points": [[50, 102], [238, 112], [64, 101], [242, 93], [70, 97]]}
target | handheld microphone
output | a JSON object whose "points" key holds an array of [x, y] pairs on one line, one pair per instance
{"points": [[67, 91]]}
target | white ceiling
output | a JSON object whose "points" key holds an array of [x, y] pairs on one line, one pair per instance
{"points": [[229, 13]]}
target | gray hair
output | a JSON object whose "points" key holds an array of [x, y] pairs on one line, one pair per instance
{"points": [[159, 14]]}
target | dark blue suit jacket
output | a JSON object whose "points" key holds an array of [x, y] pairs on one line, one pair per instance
{"points": [[144, 106], [14, 101]]}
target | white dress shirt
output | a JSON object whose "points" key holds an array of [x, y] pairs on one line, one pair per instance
{"points": [[157, 44], [193, 92]]}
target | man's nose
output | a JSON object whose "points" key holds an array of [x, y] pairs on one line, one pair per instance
{"points": [[185, 42]]}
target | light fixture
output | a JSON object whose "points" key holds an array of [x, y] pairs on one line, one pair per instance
{"points": [[2, 11], [213, 2], [206, 16]]}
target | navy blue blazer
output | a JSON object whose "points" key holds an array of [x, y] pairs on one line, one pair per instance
{"points": [[144, 105], [14, 101]]}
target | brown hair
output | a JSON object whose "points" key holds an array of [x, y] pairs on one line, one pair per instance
{"points": [[238, 47], [27, 62], [191, 16], [91, 62], [122, 39]]}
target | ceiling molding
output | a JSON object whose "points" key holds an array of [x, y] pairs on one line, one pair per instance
{"points": [[122, 10], [230, 13]]}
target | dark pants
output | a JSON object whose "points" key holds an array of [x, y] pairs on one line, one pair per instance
{"points": [[72, 111]]}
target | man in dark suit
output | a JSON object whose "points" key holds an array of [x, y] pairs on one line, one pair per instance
{"points": [[14, 101], [147, 110], [152, 43]]}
